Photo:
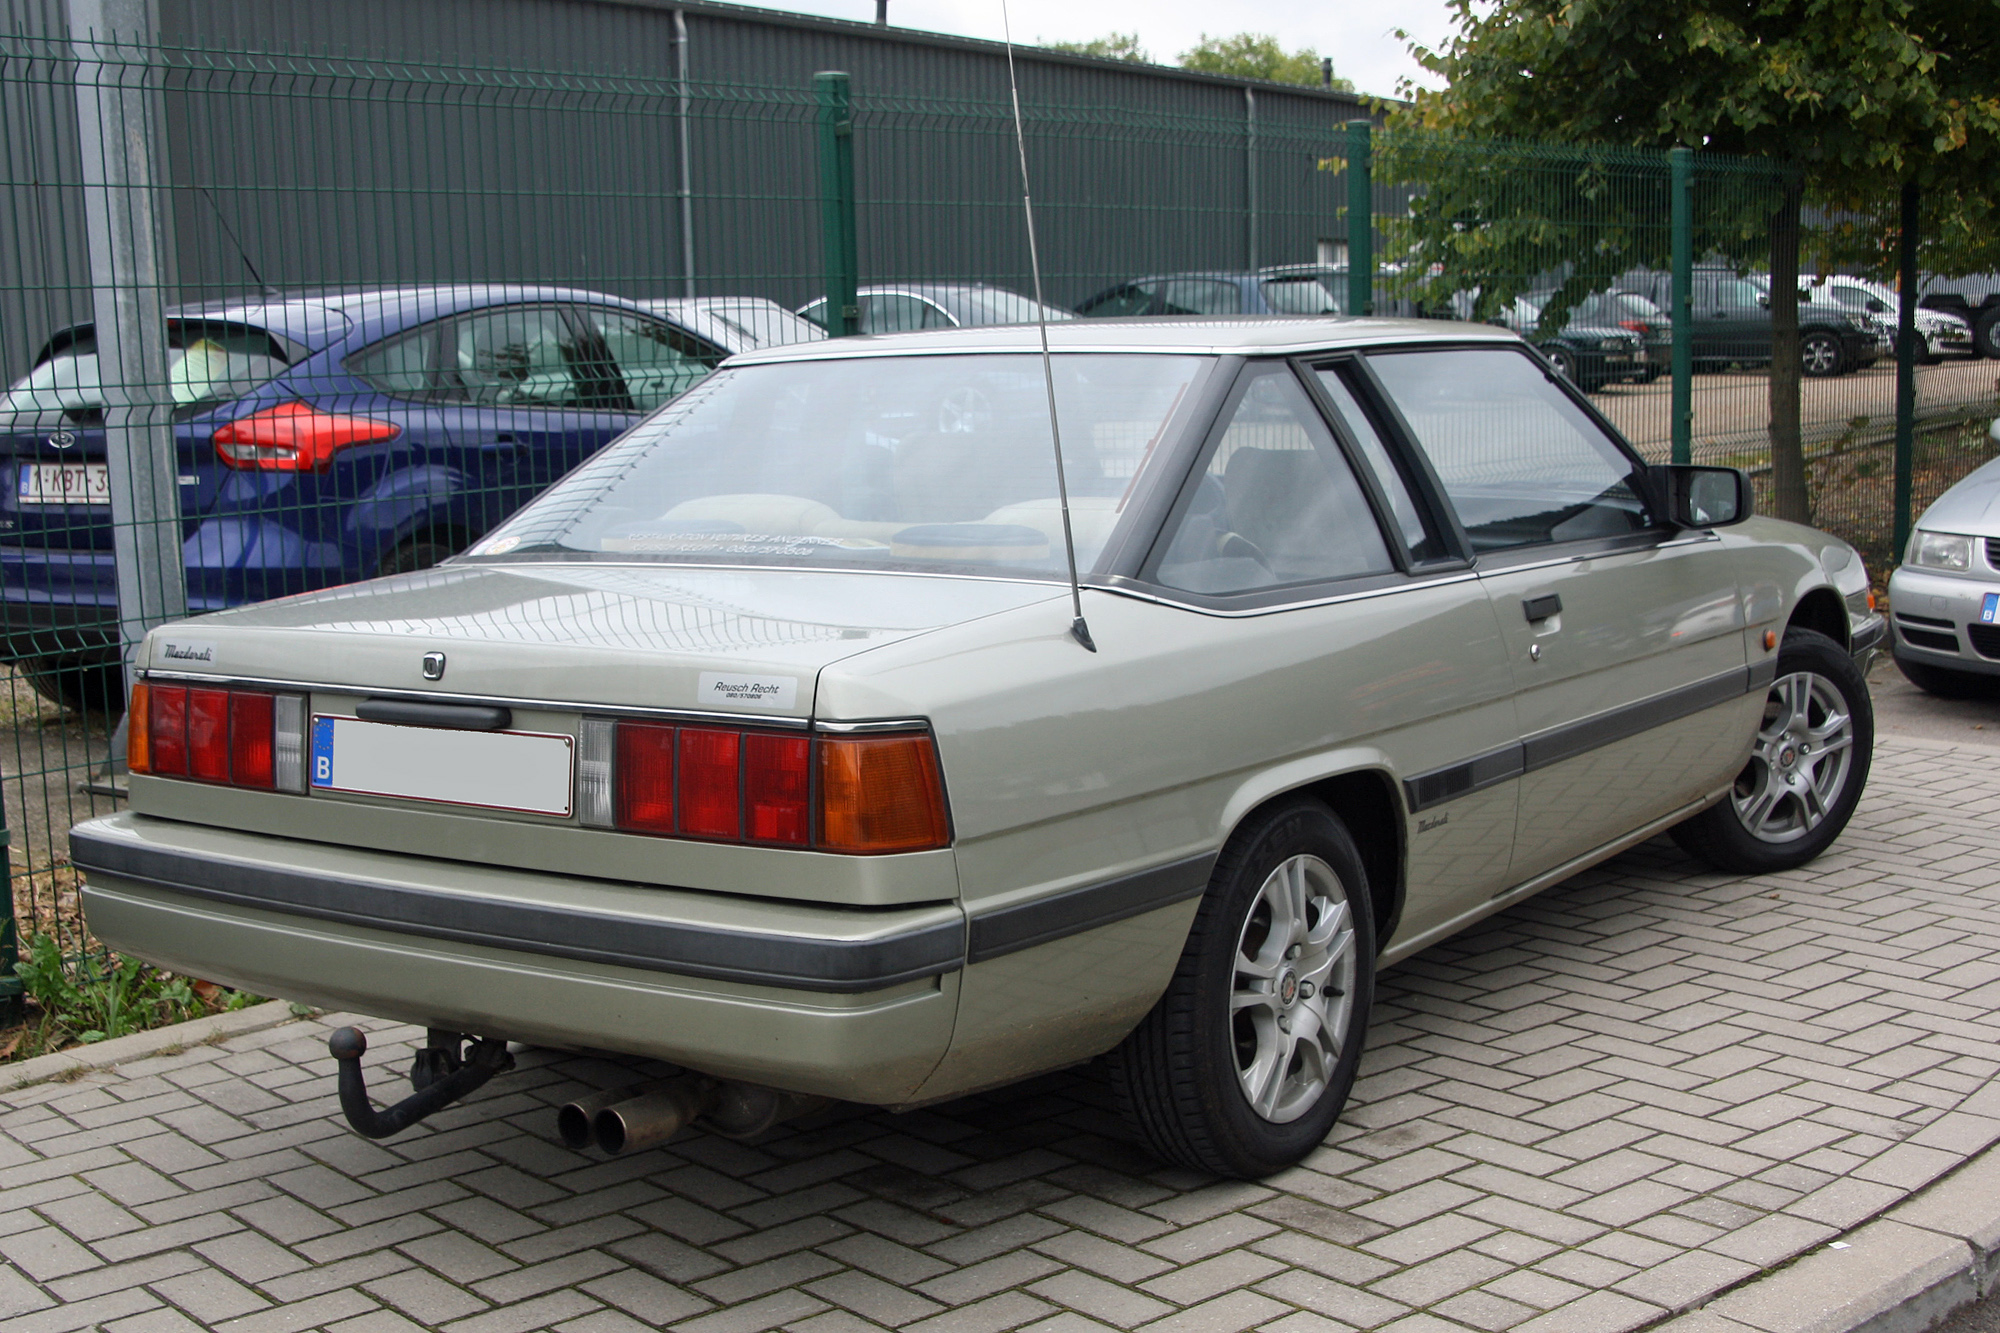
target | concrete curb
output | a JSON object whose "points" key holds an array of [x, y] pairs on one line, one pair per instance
{"points": [[141, 1045], [1900, 1273]]}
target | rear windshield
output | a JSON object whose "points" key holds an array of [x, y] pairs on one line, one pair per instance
{"points": [[206, 363], [915, 462]]}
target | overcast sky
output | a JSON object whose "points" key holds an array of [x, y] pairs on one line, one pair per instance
{"points": [[1358, 34]]}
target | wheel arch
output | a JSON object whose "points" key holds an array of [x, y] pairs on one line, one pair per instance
{"points": [[1364, 793], [1821, 609]]}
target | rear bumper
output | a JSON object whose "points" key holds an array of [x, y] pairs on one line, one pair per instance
{"points": [[855, 1004]]}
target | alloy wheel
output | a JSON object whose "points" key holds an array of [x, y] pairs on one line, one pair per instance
{"points": [[1799, 764], [1822, 355], [1293, 988]]}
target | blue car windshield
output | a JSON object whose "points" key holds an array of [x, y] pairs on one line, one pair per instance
{"points": [[915, 462]]}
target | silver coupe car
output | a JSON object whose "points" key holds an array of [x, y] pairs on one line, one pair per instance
{"points": [[773, 742], [1945, 597]]}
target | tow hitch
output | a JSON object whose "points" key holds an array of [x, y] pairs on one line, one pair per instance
{"points": [[441, 1074]]}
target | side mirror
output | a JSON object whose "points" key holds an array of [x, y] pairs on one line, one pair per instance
{"points": [[1703, 497]]}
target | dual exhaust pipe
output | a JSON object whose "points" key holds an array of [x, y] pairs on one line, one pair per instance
{"points": [[644, 1115]]}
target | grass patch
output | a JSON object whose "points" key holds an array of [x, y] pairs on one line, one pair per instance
{"points": [[79, 999]]}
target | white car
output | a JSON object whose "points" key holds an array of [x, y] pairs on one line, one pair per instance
{"points": [[1944, 599], [1944, 333], [740, 323]]}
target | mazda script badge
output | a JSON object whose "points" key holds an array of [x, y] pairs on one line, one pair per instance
{"points": [[433, 666]]}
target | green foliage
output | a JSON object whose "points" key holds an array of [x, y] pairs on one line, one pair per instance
{"points": [[99, 996], [1251, 55], [1112, 46]]}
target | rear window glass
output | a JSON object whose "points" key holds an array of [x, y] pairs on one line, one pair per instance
{"points": [[207, 363]]}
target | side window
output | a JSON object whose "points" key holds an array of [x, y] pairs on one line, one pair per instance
{"points": [[816, 312], [1275, 503], [1199, 296], [898, 312], [1134, 298], [655, 361], [519, 357], [1519, 461], [1418, 538], [1301, 296], [404, 367], [1738, 294]]}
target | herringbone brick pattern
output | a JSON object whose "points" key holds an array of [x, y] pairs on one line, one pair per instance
{"points": [[1604, 1105]]}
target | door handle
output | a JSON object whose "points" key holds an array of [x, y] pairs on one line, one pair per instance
{"points": [[1541, 608]]}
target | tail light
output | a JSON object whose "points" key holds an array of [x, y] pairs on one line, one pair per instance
{"points": [[1638, 326], [295, 437], [854, 794], [235, 738]]}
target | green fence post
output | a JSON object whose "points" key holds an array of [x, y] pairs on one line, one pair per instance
{"points": [[1680, 162], [1906, 365], [1360, 219], [838, 251]]}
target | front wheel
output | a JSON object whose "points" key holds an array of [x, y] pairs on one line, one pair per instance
{"points": [[1807, 767], [1563, 360], [1820, 355], [1245, 1062]]}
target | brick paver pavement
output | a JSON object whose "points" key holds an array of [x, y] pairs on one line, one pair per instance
{"points": [[1603, 1106]]}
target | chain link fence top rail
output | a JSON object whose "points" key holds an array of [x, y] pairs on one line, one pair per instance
{"points": [[248, 300]]}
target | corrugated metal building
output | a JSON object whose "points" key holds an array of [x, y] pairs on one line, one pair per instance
{"points": [[643, 147]]}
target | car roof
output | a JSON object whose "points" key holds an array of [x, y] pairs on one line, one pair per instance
{"points": [[1252, 335]]}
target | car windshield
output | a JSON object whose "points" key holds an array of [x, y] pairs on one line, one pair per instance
{"points": [[995, 305], [206, 363], [913, 462]]}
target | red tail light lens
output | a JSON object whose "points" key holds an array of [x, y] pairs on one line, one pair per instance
{"points": [[208, 735], [1637, 326], [293, 437], [880, 794], [167, 720], [252, 752], [711, 792], [777, 788], [644, 778]]}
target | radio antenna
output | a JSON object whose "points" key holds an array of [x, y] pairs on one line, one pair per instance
{"points": [[1077, 626]]}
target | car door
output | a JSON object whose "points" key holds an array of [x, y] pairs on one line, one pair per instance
{"points": [[1626, 638]]}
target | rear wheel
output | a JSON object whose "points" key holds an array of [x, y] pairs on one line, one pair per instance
{"points": [[1946, 683], [1820, 355], [78, 684], [1807, 767], [1245, 1062], [1986, 334]]}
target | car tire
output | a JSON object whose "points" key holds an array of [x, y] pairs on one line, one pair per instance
{"points": [[82, 685], [1986, 334], [419, 552], [1564, 362], [1821, 355], [1945, 683], [1290, 888], [1770, 819]]}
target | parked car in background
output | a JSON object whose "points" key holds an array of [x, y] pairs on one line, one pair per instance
{"points": [[1594, 346], [1944, 599], [738, 323], [1731, 323], [1974, 299], [1297, 289], [318, 440], [1944, 334], [908, 307], [767, 743]]}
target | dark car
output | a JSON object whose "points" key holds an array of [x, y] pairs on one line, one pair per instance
{"points": [[318, 440], [1594, 344], [1731, 324], [1306, 289]]}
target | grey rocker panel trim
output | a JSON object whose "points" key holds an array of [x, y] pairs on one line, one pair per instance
{"points": [[787, 961], [1010, 929], [1424, 790]]}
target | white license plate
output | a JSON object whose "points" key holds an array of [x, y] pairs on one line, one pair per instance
{"points": [[65, 484], [499, 770]]}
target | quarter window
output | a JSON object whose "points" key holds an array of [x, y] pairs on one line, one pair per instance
{"points": [[1519, 460], [1275, 504], [404, 367]]}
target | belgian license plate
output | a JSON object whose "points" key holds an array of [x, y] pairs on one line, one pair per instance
{"points": [[65, 484], [1989, 609], [498, 770]]}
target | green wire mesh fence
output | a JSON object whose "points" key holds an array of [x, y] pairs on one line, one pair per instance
{"points": [[277, 321]]}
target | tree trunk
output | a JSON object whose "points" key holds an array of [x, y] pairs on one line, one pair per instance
{"points": [[1788, 463]]}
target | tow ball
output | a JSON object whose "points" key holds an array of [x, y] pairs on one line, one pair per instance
{"points": [[442, 1073]]}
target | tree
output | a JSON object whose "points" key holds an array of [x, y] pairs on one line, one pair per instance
{"points": [[1112, 46], [1847, 98], [1251, 55]]}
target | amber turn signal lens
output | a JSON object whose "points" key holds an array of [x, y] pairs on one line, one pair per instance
{"points": [[139, 731], [880, 794], [1770, 639]]}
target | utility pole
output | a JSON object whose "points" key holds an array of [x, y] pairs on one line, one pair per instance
{"points": [[882, 12]]}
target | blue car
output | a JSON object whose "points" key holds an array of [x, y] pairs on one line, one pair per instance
{"points": [[320, 439]]}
